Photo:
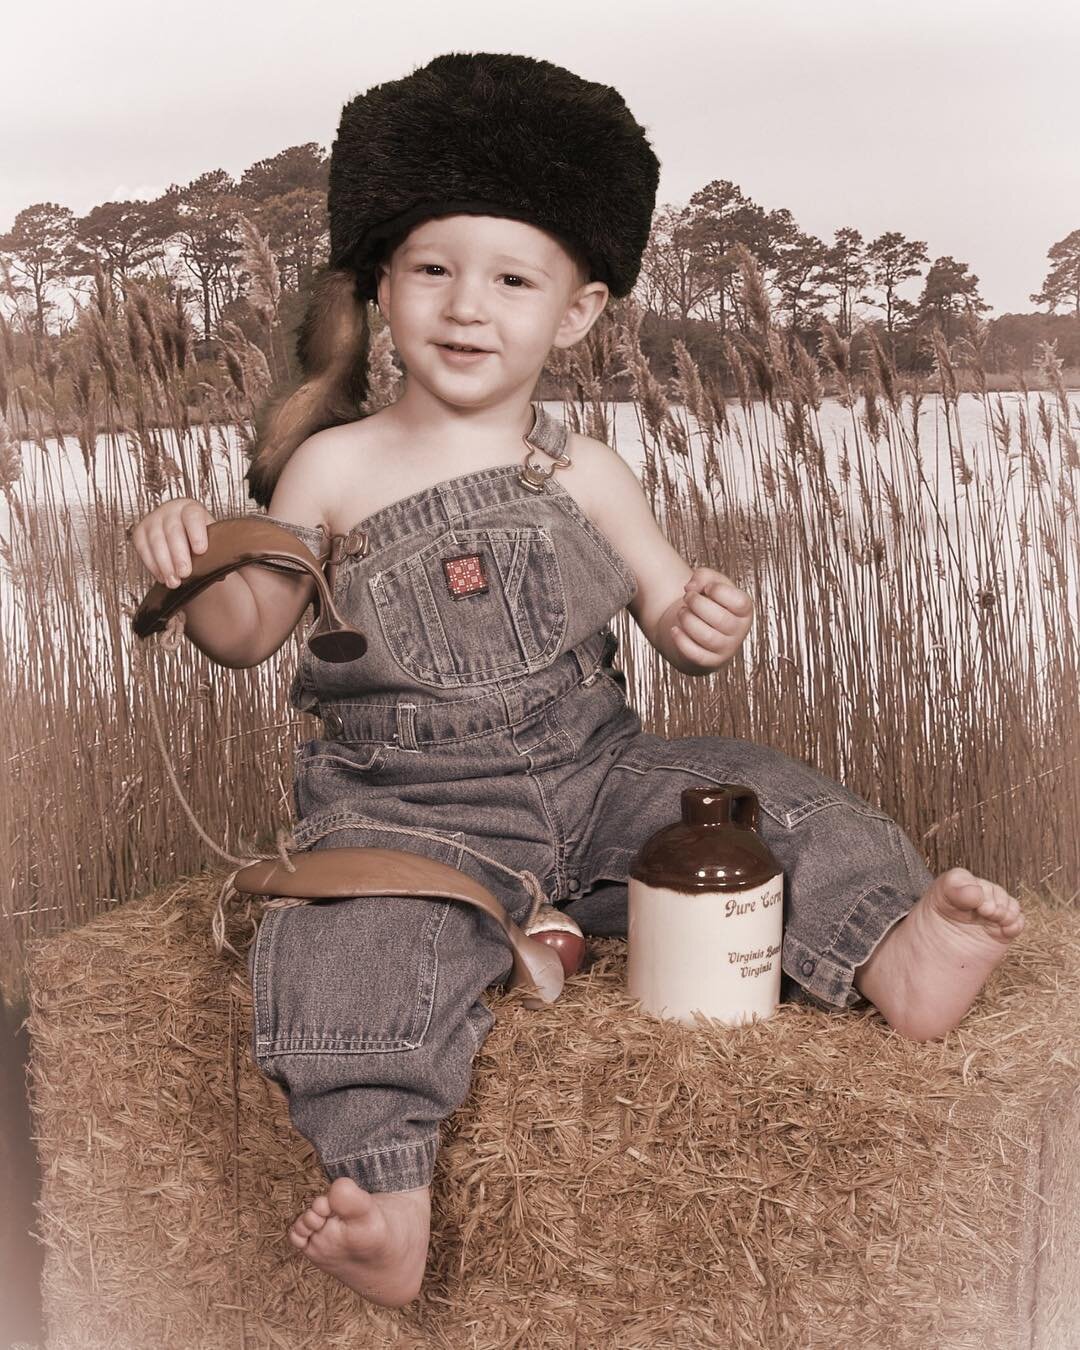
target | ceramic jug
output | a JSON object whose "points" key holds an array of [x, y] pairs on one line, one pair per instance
{"points": [[706, 905]]}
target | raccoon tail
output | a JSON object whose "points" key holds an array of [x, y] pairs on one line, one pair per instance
{"points": [[332, 346]]}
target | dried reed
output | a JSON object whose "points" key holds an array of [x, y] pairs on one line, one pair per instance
{"points": [[915, 635]]}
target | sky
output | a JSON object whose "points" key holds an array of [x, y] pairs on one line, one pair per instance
{"points": [[950, 121]]}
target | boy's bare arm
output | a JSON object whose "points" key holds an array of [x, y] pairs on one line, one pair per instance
{"points": [[246, 615], [695, 617]]}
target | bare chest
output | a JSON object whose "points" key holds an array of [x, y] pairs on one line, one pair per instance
{"points": [[387, 479]]}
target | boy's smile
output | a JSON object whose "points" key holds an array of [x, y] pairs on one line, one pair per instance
{"points": [[459, 357], [508, 290]]}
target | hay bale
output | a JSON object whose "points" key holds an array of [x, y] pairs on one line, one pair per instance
{"points": [[611, 1180]]}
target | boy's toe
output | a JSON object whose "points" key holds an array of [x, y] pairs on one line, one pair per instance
{"points": [[347, 1200]]}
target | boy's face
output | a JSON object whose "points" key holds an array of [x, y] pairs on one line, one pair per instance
{"points": [[488, 282]]}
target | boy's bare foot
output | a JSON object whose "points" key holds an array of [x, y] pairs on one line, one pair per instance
{"points": [[376, 1242], [925, 973]]}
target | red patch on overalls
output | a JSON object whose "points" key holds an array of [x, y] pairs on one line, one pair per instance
{"points": [[465, 575]]}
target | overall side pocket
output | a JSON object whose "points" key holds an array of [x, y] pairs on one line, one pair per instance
{"points": [[327, 773], [354, 976]]}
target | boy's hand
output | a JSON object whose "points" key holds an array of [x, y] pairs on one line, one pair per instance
{"points": [[166, 538], [714, 620]]}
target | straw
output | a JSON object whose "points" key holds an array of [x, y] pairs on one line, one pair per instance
{"points": [[611, 1180]]}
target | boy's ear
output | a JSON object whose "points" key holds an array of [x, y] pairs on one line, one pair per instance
{"points": [[382, 275], [582, 312], [594, 295]]}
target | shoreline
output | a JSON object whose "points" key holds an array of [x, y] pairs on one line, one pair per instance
{"points": [[1036, 385]]}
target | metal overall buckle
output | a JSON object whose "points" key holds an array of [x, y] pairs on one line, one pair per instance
{"points": [[535, 476]]}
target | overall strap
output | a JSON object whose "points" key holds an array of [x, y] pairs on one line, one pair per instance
{"points": [[549, 434]]}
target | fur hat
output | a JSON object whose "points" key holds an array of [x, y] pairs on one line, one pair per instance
{"points": [[481, 133], [498, 135]]}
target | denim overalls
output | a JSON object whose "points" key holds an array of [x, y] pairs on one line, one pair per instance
{"points": [[487, 712]]}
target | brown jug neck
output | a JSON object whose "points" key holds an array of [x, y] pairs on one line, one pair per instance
{"points": [[724, 804], [714, 847]]}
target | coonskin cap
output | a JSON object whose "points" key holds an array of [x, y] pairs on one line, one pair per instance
{"points": [[489, 133]]}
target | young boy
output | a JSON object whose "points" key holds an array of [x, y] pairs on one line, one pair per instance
{"points": [[494, 203]]}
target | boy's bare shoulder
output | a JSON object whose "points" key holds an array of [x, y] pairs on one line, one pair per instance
{"points": [[309, 490], [601, 479], [600, 451], [334, 449]]}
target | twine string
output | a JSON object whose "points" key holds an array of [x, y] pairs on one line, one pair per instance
{"points": [[283, 838], [169, 641]]}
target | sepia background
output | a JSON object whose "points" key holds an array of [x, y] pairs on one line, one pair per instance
{"points": [[847, 377]]}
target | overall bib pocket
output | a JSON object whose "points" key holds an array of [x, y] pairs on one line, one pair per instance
{"points": [[353, 976], [474, 606]]}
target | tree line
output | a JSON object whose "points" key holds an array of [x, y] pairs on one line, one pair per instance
{"points": [[195, 239]]}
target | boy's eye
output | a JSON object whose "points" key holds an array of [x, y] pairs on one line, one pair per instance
{"points": [[511, 276]]}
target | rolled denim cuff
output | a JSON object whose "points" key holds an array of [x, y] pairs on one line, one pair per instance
{"points": [[827, 975], [399, 1167]]}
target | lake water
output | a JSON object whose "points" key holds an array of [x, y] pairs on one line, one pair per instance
{"points": [[59, 476]]}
